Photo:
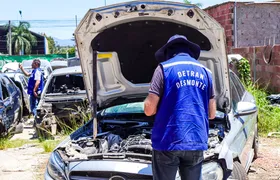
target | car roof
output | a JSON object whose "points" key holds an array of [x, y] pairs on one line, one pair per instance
{"points": [[44, 63], [67, 70], [13, 73]]}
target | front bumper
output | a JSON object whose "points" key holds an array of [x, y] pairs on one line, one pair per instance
{"points": [[106, 169]]}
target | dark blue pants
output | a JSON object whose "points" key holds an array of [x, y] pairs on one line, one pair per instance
{"points": [[167, 163], [33, 104]]}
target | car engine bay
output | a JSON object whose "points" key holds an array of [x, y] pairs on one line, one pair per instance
{"points": [[126, 139]]}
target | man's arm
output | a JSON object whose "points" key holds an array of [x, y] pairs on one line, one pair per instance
{"points": [[150, 104], [212, 101], [155, 92], [212, 108], [23, 70]]}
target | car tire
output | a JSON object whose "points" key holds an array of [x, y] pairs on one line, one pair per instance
{"points": [[2, 130], [238, 172], [256, 142]]}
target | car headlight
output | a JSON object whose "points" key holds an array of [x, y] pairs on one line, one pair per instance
{"points": [[212, 171], [55, 167]]}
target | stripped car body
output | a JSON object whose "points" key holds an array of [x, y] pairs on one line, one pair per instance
{"points": [[119, 42], [64, 94], [21, 82], [10, 106], [58, 63]]}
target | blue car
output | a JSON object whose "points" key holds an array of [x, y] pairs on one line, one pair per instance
{"points": [[10, 105]]}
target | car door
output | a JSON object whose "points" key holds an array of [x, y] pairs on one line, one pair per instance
{"points": [[14, 99], [248, 122], [8, 114], [24, 91]]}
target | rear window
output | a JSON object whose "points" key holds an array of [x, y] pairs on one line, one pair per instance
{"points": [[66, 83], [73, 62]]}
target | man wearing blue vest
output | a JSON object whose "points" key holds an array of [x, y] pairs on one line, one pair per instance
{"points": [[35, 84], [181, 97]]}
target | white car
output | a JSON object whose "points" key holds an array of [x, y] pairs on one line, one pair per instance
{"points": [[10, 67], [234, 58], [116, 47]]}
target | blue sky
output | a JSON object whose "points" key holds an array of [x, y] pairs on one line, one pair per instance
{"points": [[59, 9]]}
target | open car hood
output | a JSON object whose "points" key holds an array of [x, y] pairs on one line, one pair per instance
{"points": [[121, 41]]}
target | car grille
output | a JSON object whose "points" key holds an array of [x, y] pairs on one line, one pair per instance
{"points": [[102, 175]]}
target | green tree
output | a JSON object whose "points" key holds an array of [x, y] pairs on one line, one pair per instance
{"points": [[189, 2], [51, 45], [22, 39], [71, 50]]}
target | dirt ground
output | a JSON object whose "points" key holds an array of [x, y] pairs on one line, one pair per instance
{"points": [[26, 162], [267, 165], [29, 161]]}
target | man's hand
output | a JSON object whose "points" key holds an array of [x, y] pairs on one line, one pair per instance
{"points": [[35, 94], [22, 69], [37, 83], [150, 104]]}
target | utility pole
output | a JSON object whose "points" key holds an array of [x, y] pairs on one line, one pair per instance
{"points": [[76, 20], [105, 2], [10, 39]]}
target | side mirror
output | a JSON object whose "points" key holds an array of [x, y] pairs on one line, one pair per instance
{"points": [[245, 108]]}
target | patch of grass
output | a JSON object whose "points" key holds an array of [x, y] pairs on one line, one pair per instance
{"points": [[49, 145], [6, 143], [77, 117], [268, 115]]}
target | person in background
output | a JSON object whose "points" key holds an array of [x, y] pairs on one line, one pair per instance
{"points": [[181, 97], [35, 84]]}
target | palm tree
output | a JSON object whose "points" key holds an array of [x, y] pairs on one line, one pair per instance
{"points": [[22, 39], [189, 2]]}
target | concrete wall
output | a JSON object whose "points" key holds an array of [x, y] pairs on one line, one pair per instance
{"points": [[257, 21], [265, 74]]}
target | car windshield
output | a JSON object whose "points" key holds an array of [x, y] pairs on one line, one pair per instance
{"points": [[66, 83], [130, 108]]}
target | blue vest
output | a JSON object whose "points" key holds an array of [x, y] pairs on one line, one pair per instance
{"points": [[31, 82], [181, 121]]}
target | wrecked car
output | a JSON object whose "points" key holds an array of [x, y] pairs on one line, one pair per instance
{"points": [[21, 82], [58, 63], [116, 46], [73, 62], [10, 67], [64, 95], [10, 106]]}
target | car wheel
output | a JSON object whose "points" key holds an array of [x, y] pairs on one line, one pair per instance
{"points": [[2, 130], [256, 142], [238, 172]]}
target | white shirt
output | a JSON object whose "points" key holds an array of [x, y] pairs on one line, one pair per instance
{"points": [[37, 75]]}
